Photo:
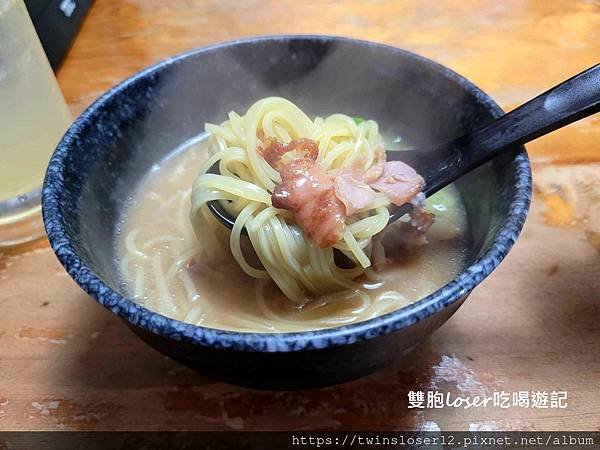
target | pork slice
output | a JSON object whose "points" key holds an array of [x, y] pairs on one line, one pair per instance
{"points": [[354, 194], [400, 182], [306, 190]]}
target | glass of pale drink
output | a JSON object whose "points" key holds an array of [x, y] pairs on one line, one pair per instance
{"points": [[33, 118]]}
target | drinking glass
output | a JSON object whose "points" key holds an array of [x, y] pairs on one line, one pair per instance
{"points": [[33, 118]]}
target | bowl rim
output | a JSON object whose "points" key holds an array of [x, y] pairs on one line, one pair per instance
{"points": [[140, 316]]}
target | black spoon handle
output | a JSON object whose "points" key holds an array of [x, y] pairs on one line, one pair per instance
{"points": [[574, 99]]}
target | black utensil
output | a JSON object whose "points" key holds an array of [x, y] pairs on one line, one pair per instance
{"points": [[574, 99]]}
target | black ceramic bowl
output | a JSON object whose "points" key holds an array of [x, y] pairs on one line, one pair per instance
{"points": [[114, 143]]}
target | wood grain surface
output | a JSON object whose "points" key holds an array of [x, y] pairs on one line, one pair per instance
{"points": [[67, 363]]}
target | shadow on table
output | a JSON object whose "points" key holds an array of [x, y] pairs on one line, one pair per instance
{"points": [[115, 381]]}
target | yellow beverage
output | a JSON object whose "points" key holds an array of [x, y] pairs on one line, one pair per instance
{"points": [[33, 118]]}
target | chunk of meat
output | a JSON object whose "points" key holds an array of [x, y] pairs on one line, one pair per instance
{"points": [[399, 182], [273, 149], [354, 194], [352, 183], [419, 218], [306, 190], [395, 243]]}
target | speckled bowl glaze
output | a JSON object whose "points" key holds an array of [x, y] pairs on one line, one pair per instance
{"points": [[110, 147]]}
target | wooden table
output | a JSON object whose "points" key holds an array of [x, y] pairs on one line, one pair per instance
{"points": [[67, 363]]}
